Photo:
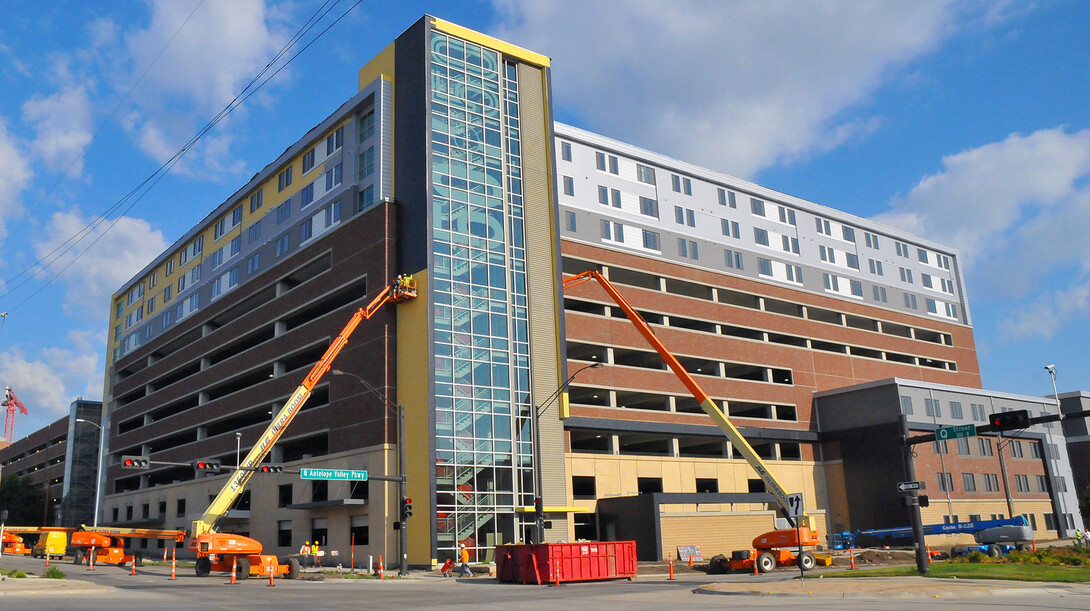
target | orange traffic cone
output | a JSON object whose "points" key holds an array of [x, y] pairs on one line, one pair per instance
{"points": [[851, 554], [690, 561], [47, 558], [928, 554], [271, 584], [670, 559], [381, 569], [133, 566], [91, 559], [173, 569], [754, 562], [1035, 545], [234, 567]]}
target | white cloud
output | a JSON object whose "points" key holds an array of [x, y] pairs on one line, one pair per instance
{"points": [[99, 269], [211, 59], [37, 384], [1018, 210], [737, 86], [64, 128], [49, 382], [15, 175]]}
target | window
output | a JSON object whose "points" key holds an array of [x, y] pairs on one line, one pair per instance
{"points": [[906, 405], [181, 283], [925, 279], [1035, 449], [584, 487], [1042, 483], [1016, 449], [933, 408], [367, 125], [932, 307], [955, 410], [849, 233], [649, 207], [827, 254], [832, 283], [880, 294], [613, 169], [283, 181], [306, 230], [168, 292], [906, 275], [603, 195], [922, 255], [170, 266], [283, 533], [600, 161], [616, 196], [963, 446], [1022, 483], [255, 201], [991, 482], [902, 249], [306, 196], [853, 261], [731, 228], [217, 258], [823, 226], [179, 508], [152, 281], [794, 273], [732, 200], [366, 198], [764, 267], [871, 239], [195, 275], [569, 186], [308, 161], [787, 215], [682, 248], [650, 240], [790, 244], [253, 263], [284, 494], [366, 162], [946, 482], [760, 236], [253, 233], [565, 151], [856, 287], [283, 212], [645, 174], [757, 206], [968, 480], [649, 485], [876, 267], [733, 259], [693, 253], [282, 245], [333, 214], [618, 231], [986, 448], [570, 217], [334, 141], [333, 177], [722, 196], [910, 301], [940, 446], [607, 230]]}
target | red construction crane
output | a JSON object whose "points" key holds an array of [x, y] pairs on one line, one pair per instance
{"points": [[11, 401]]}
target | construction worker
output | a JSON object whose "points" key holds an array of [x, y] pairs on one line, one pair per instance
{"points": [[314, 552], [463, 555], [304, 551]]}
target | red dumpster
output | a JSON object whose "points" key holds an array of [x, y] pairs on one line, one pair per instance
{"points": [[553, 562]]}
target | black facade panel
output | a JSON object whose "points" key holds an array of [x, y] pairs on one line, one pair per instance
{"points": [[411, 121], [872, 469]]}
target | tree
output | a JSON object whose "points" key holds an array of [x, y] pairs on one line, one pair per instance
{"points": [[22, 499]]}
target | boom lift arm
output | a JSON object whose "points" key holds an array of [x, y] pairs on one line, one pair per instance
{"points": [[733, 434], [401, 289]]}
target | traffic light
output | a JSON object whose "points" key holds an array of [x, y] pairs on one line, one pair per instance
{"points": [[397, 525], [207, 466], [538, 509], [924, 501], [134, 462], [406, 508], [1006, 421], [271, 468]]}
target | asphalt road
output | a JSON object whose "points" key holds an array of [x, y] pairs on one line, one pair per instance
{"points": [[110, 587]]}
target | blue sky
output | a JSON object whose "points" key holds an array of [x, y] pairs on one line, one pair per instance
{"points": [[964, 122]]}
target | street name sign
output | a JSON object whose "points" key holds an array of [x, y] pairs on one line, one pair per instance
{"points": [[906, 486], [336, 474], [953, 432]]}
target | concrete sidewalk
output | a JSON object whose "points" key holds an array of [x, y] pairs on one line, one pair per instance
{"points": [[891, 587], [10, 586]]}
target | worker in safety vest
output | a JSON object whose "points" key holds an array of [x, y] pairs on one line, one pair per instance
{"points": [[304, 551], [314, 552], [463, 555]]}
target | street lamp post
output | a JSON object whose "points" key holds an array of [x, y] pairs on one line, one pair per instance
{"points": [[399, 410], [98, 472], [539, 500], [1061, 521], [238, 450]]}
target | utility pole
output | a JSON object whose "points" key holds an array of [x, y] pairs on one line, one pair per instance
{"points": [[914, 500], [403, 570]]}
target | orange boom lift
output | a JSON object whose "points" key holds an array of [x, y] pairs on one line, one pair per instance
{"points": [[791, 505], [218, 551]]}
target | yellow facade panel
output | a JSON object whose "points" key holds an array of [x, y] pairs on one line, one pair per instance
{"points": [[381, 66], [484, 40]]}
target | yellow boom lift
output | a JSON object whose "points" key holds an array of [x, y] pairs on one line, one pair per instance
{"points": [[218, 551], [789, 504]]}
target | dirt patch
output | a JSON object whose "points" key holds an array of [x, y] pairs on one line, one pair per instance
{"points": [[876, 557]]}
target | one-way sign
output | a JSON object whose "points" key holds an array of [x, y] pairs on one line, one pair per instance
{"points": [[906, 486]]}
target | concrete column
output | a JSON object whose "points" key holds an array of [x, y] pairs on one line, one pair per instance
{"points": [[280, 328], [614, 444], [202, 397], [205, 363], [672, 403]]}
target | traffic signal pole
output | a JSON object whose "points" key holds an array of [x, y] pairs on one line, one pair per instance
{"points": [[914, 501], [403, 570]]}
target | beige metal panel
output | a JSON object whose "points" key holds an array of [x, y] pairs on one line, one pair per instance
{"points": [[541, 278]]}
